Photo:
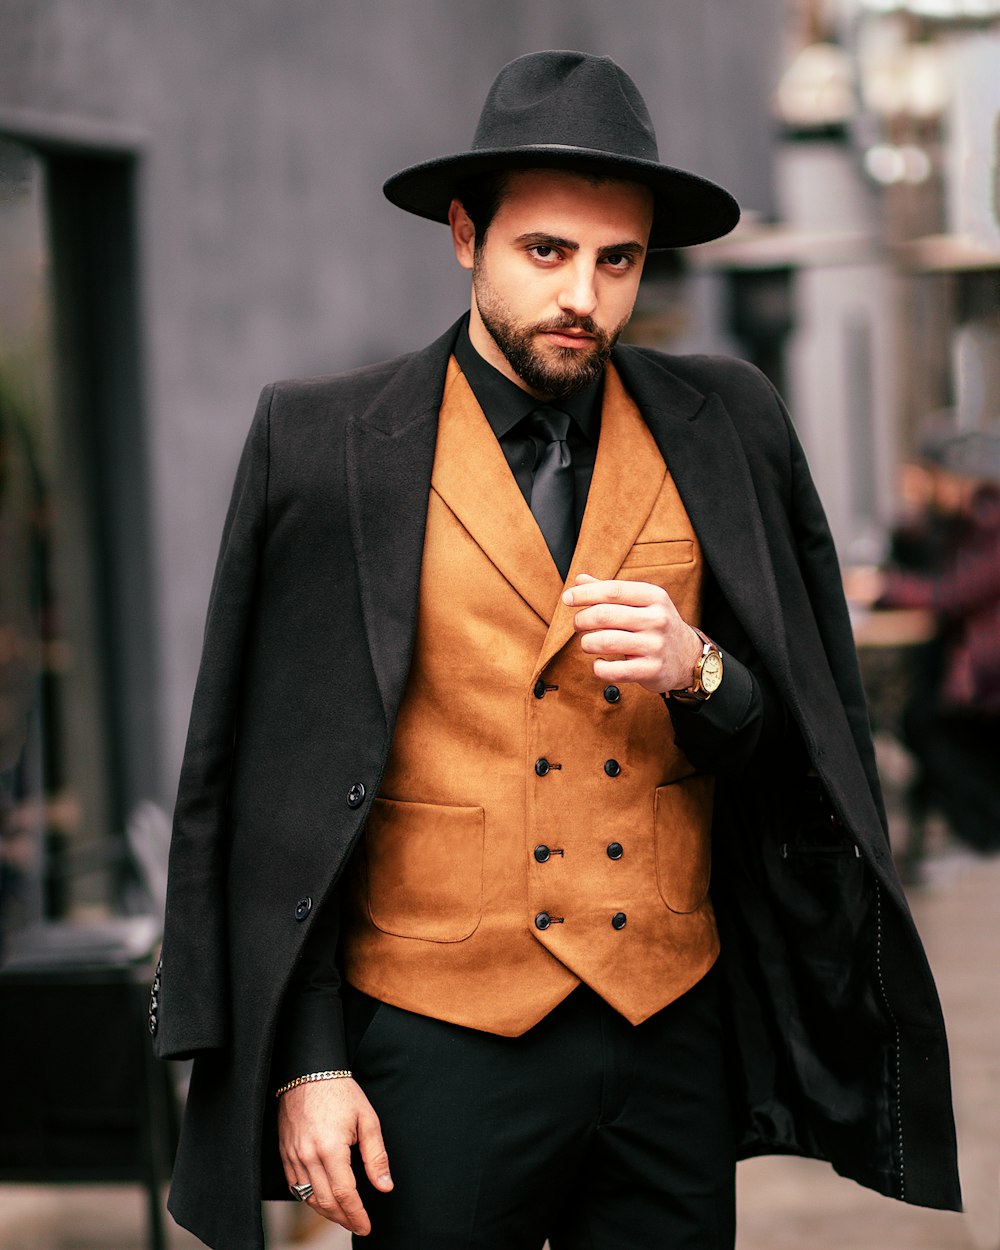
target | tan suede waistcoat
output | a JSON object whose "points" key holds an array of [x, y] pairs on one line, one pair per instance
{"points": [[534, 828]]}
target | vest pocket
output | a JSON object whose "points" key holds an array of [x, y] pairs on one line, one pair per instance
{"points": [[653, 555], [424, 867], [682, 830]]}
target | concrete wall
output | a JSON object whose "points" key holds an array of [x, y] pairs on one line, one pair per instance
{"points": [[265, 129]]}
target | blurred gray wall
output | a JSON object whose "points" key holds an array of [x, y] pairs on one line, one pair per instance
{"points": [[265, 129]]}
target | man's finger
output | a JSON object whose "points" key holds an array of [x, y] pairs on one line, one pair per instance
{"points": [[636, 668], [373, 1153], [338, 1198], [632, 594], [618, 616], [618, 642]]}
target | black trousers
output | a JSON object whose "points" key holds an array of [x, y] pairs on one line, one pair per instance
{"points": [[586, 1130]]}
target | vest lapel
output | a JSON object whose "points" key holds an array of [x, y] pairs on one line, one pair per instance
{"points": [[472, 476], [628, 474]]}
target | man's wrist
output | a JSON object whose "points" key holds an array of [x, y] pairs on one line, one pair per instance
{"points": [[706, 674], [331, 1074]]}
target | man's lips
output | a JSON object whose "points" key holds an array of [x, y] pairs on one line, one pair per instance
{"points": [[568, 338]]}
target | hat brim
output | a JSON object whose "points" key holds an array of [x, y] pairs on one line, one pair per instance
{"points": [[688, 209]]}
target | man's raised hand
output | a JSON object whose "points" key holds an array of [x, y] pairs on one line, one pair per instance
{"points": [[635, 631]]}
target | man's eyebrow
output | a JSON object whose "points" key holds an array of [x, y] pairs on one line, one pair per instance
{"points": [[536, 238], [632, 248]]}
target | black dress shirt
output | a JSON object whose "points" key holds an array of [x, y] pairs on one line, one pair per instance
{"points": [[508, 409]]}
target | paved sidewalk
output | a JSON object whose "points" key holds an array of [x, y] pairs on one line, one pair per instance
{"points": [[785, 1204]]}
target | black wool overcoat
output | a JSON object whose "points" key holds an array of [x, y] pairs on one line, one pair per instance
{"points": [[841, 1046]]}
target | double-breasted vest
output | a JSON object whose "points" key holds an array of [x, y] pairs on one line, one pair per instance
{"points": [[535, 827]]}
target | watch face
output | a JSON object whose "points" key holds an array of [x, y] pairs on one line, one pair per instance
{"points": [[711, 672]]}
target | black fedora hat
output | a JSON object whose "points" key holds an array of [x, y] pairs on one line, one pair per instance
{"points": [[570, 110]]}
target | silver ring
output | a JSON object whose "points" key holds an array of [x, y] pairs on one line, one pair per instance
{"points": [[302, 1192]]}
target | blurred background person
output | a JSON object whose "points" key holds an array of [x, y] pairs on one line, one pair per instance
{"points": [[947, 560]]}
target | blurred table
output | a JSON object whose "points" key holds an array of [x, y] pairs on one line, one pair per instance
{"points": [[892, 627], [888, 642], [84, 1099]]}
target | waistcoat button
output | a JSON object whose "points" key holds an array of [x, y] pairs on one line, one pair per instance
{"points": [[615, 850], [618, 920], [543, 920], [356, 795], [542, 854], [539, 689], [612, 768], [303, 907], [612, 694], [542, 766]]}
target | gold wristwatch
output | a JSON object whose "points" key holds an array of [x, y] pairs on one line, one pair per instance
{"points": [[707, 674]]}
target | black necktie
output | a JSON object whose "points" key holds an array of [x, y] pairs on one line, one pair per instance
{"points": [[552, 488]]}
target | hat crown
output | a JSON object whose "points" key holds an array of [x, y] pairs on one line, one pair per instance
{"points": [[566, 99]]}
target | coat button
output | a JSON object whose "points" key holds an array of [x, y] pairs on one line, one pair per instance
{"points": [[612, 694], [539, 689], [618, 920], [615, 850], [543, 920], [612, 768], [303, 907], [542, 766], [356, 795], [542, 854]]}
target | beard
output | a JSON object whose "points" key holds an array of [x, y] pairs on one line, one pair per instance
{"points": [[549, 371]]}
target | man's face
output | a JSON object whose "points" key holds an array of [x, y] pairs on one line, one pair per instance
{"points": [[556, 277]]}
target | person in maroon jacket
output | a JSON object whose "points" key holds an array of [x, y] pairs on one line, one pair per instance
{"points": [[953, 724]]}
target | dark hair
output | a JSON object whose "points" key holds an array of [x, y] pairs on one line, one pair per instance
{"points": [[481, 197]]}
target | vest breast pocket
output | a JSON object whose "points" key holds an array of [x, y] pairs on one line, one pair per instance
{"points": [[653, 555], [670, 564], [424, 869], [683, 835]]}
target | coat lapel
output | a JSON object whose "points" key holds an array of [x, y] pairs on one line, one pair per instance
{"points": [[389, 456], [628, 474], [472, 476], [704, 454]]}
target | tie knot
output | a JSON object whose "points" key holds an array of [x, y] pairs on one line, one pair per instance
{"points": [[551, 425]]}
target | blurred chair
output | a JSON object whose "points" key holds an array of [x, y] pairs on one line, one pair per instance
{"points": [[84, 1099]]}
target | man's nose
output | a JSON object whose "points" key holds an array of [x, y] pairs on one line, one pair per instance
{"points": [[579, 294]]}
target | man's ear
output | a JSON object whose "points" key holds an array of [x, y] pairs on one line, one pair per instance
{"points": [[463, 234]]}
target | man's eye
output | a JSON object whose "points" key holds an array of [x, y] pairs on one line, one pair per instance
{"points": [[618, 260], [542, 251]]}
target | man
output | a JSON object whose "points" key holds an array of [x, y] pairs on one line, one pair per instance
{"points": [[508, 639]]}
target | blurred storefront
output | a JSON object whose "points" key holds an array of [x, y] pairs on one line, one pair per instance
{"points": [[873, 297]]}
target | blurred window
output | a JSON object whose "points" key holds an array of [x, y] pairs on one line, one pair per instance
{"points": [[76, 752]]}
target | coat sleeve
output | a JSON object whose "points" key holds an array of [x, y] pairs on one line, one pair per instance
{"points": [[192, 1001], [743, 724]]}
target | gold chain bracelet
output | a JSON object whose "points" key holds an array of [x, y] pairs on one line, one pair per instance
{"points": [[335, 1075]]}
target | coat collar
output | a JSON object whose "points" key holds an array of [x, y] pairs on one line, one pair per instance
{"points": [[705, 456], [389, 456]]}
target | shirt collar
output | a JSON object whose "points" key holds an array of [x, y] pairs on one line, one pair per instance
{"points": [[505, 403]]}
